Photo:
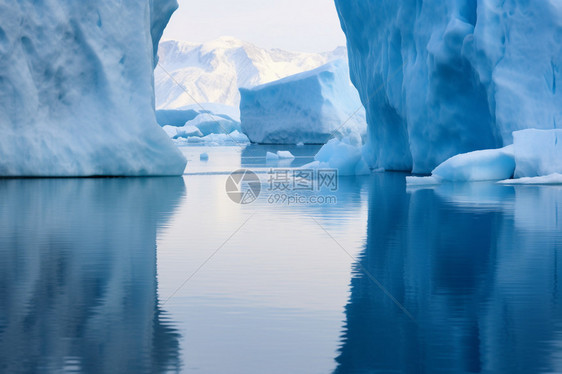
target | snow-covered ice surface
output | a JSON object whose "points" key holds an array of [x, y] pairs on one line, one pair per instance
{"points": [[209, 123], [554, 178], [440, 78], [537, 152], [76, 89], [345, 155], [213, 71], [308, 107], [485, 165], [285, 155]]}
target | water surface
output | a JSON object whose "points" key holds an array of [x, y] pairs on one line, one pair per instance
{"points": [[169, 275]]}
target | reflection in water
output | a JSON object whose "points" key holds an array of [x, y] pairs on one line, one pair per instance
{"points": [[254, 155], [78, 287], [476, 265]]}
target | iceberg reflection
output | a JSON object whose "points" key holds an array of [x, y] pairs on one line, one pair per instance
{"points": [[78, 285], [480, 280]]}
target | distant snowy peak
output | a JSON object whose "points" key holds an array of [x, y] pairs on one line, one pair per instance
{"points": [[213, 71]]}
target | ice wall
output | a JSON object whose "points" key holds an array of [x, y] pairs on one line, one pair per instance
{"points": [[77, 91], [439, 78]]}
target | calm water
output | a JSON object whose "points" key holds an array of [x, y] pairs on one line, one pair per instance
{"points": [[169, 275]]}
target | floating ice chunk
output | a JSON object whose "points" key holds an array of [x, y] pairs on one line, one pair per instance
{"points": [[285, 155], [544, 180], [537, 152], [300, 144], [486, 165], [179, 116], [345, 155], [188, 130], [175, 117], [209, 123], [204, 156], [270, 156], [182, 132], [234, 138], [308, 107], [423, 181]]}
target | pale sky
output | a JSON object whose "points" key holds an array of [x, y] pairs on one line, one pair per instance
{"points": [[297, 25]]}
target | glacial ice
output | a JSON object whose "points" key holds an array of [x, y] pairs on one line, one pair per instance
{"points": [[309, 107], [182, 132], [534, 158], [76, 89], [345, 155], [179, 116], [270, 157], [537, 152], [213, 124], [554, 178], [233, 138], [440, 78], [485, 165], [285, 155]]}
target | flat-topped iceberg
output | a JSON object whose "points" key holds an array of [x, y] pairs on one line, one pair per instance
{"points": [[76, 89], [309, 107]]}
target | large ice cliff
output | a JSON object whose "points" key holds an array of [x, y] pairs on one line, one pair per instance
{"points": [[440, 77], [77, 91]]}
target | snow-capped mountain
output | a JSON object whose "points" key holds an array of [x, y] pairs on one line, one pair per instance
{"points": [[212, 72]]}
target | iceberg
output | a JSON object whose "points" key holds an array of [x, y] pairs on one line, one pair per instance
{"points": [[440, 78], [537, 152], [485, 165], [182, 132], [190, 122], [213, 124], [345, 155], [77, 92], [285, 155], [271, 157], [233, 138], [179, 116], [309, 107]]}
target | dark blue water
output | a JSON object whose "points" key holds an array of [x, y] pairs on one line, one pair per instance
{"points": [[115, 276]]}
